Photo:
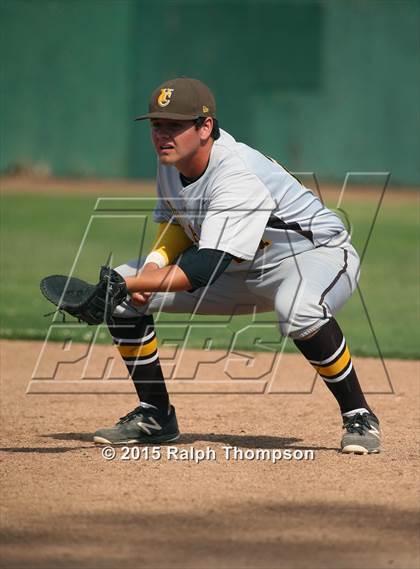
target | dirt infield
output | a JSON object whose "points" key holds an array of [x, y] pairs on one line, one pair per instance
{"points": [[65, 506]]}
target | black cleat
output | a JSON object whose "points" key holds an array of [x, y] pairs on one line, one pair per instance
{"points": [[142, 426]]}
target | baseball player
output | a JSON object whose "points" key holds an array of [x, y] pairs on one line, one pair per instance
{"points": [[236, 233]]}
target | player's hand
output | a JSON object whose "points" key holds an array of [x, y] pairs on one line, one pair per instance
{"points": [[140, 298]]}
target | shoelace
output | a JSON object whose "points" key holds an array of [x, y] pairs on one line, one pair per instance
{"points": [[134, 413], [358, 423]]}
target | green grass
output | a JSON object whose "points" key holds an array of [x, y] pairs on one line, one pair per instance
{"points": [[41, 235]]}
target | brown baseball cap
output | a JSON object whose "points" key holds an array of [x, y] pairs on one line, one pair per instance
{"points": [[182, 98]]}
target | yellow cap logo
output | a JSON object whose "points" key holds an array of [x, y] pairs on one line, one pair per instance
{"points": [[165, 97], [205, 109]]}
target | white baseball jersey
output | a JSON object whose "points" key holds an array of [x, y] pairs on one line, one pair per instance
{"points": [[247, 205]]}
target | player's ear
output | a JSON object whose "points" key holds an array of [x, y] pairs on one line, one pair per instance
{"points": [[206, 128]]}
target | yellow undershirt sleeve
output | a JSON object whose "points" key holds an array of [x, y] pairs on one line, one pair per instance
{"points": [[171, 240]]}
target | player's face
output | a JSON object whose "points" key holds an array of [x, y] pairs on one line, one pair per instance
{"points": [[175, 142]]}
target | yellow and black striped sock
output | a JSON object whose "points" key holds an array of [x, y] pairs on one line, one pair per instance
{"points": [[136, 341], [327, 351]]}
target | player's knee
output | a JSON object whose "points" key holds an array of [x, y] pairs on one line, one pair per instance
{"points": [[301, 321], [128, 309], [130, 268]]}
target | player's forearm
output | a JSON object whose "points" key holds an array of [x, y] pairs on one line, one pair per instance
{"points": [[168, 279], [150, 267]]}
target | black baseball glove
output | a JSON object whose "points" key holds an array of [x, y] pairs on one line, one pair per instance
{"points": [[93, 304]]}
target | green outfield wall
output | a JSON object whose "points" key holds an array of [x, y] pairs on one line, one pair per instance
{"points": [[328, 87]]}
